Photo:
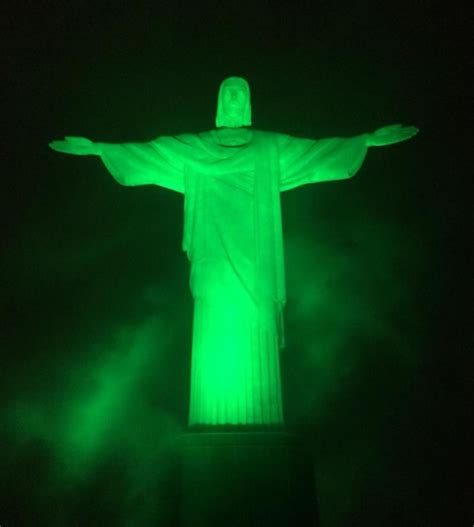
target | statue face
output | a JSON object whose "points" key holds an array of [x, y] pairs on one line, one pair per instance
{"points": [[233, 105], [234, 101]]}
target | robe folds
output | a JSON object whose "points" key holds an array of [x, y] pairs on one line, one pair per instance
{"points": [[233, 239]]}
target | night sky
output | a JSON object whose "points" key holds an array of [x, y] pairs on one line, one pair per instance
{"points": [[96, 312]]}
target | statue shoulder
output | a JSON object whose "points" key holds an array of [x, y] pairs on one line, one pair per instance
{"points": [[182, 140], [275, 136], [187, 138]]}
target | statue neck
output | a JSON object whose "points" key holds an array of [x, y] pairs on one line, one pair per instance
{"points": [[232, 136]]}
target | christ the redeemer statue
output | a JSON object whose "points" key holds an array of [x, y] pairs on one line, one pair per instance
{"points": [[231, 178]]}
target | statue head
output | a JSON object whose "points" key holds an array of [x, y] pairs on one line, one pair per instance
{"points": [[233, 104]]}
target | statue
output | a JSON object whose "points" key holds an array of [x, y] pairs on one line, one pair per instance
{"points": [[231, 178]]}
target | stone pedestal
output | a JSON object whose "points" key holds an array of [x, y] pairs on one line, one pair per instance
{"points": [[237, 478]]}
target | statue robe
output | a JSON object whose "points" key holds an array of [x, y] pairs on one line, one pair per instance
{"points": [[233, 239]]}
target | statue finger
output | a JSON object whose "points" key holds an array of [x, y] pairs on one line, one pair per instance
{"points": [[57, 145], [405, 136], [410, 131]]}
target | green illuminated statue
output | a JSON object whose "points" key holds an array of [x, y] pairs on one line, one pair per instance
{"points": [[231, 178]]}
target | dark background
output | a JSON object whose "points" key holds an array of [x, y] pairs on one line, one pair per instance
{"points": [[96, 314]]}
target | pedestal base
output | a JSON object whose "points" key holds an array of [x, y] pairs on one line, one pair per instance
{"points": [[246, 478]]}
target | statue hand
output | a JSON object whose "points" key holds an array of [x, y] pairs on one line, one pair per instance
{"points": [[388, 135], [79, 146]]}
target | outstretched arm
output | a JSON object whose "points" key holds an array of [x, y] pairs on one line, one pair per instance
{"points": [[158, 162], [304, 161]]}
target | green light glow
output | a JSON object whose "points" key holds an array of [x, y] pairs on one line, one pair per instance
{"points": [[101, 401], [231, 179]]}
